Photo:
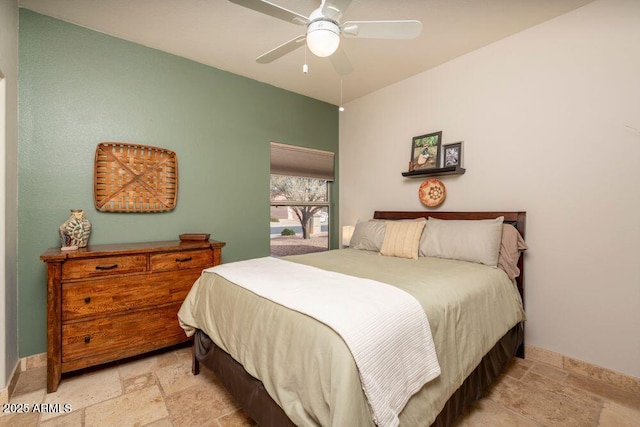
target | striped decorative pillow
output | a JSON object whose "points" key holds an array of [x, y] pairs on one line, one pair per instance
{"points": [[402, 238]]}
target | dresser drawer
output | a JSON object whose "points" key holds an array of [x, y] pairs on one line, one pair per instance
{"points": [[96, 267], [118, 294], [181, 260], [101, 339]]}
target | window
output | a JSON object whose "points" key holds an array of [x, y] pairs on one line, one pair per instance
{"points": [[300, 199]]}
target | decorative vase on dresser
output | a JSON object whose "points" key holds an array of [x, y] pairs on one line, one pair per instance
{"points": [[109, 302], [75, 231]]}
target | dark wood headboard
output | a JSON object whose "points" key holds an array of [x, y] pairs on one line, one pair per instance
{"points": [[517, 219]]}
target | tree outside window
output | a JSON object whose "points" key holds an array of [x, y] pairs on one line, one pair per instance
{"points": [[307, 197]]}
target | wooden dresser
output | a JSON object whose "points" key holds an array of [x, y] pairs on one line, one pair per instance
{"points": [[108, 302]]}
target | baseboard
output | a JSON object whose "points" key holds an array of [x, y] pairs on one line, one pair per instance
{"points": [[34, 361], [611, 377], [5, 393], [29, 362]]}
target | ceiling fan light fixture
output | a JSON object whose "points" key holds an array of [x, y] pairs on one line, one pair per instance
{"points": [[323, 38]]}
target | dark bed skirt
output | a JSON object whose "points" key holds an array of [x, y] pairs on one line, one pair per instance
{"points": [[256, 402], [490, 367]]}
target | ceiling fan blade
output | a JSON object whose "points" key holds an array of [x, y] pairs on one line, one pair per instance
{"points": [[333, 9], [382, 29], [274, 10], [342, 5], [341, 62], [282, 50]]}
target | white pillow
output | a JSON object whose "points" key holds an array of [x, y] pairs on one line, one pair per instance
{"points": [[368, 235], [467, 240]]}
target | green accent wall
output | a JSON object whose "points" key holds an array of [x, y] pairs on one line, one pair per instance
{"points": [[78, 88]]}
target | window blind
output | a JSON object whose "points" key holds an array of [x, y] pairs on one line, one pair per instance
{"points": [[300, 161]]}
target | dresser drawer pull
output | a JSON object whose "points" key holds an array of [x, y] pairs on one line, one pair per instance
{"points": [[185, 259], [87, 339], [106, 267], [87, 300]]}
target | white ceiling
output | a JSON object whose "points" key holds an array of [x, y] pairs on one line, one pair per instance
{"points": [[229, 37]]}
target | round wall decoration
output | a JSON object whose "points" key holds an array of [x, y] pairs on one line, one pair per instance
{"points": [[432, 192]]}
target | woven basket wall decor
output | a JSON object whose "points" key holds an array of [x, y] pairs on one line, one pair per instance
{"points": [[134, 178]]}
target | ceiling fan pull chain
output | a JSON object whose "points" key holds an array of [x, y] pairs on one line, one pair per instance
{"points": [[305, 67]]}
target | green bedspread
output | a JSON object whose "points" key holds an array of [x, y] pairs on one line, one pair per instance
{"points": [[307, 368]]}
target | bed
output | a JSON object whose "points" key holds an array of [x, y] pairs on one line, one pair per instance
{"points": [[303, 366]]}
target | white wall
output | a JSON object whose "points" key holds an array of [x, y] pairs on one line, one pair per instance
{"points": [[550, 120], [8, 188]]}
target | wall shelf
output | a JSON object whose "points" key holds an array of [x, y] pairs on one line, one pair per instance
{"points": [[447, 170]]}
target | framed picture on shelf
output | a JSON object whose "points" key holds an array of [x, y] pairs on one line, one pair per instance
{"points": [[452, 154], [425, 151]]}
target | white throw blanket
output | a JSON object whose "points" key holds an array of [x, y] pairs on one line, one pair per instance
{"points": [[385, 328]]}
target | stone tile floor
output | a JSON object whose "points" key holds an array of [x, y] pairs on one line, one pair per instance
{"points": [[159, 390]]}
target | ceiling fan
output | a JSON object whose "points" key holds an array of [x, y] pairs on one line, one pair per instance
{"points": [[324, 30]]}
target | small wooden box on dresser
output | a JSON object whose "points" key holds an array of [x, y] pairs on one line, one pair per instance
{"points": [[108, 302]]}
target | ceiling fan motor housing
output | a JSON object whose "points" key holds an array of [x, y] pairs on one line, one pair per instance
{"points": [[323, 37]]}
